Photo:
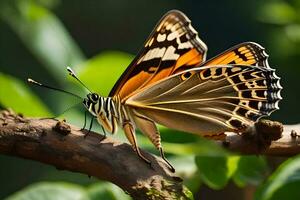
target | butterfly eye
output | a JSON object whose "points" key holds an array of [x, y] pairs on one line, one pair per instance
{"points": [[186, 75], [94, 97]]}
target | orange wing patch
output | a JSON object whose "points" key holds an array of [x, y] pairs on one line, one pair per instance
{"points": [[190, 58], [248, 53]]}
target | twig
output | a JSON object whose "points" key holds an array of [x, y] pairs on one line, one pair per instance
{"points": [[268, 138]]}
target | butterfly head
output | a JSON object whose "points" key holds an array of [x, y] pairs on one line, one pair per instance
{"points": [[90, 102]]}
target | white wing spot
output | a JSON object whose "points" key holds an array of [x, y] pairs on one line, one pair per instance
{"points": [[168, 26], [276, 105], [235, 69], [176, 27], [172, 36], [170, 54], [161, 37], [185, 45], [259, 105], [153, 53]]}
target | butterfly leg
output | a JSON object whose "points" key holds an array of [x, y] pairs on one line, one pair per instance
{"points": [[104, 133], [103, 130], [162, 155], [130, 134], [149, 129], [84, 121], [90, 128]]}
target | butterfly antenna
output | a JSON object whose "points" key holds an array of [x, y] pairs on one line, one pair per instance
{"points": [[29, 80], [72, 73]]}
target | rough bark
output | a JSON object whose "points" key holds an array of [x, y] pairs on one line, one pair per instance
{"points": [[266, 137], [64, 146]]}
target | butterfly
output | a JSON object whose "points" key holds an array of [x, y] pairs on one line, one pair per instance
{"points": [[171, 83]]}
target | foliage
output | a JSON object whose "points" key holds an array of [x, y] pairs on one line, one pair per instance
{"points": [[67, 191], [18, 96], [284, 19], [94, 71], [284, 182], [43, 34], [217, 171]]}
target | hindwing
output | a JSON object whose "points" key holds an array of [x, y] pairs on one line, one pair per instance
{"points": [[247, 53], [211, 100]]}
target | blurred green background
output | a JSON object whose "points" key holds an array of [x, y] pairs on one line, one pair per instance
{"points": [[39, 38]]}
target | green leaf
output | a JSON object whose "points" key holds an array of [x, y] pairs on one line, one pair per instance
{"points": [[185, 165], [107, 191], [181, 143], [232, 164], [16, 95], [101, 72], [277, 12], [49, 191], [186, 168], [250, 170], [293, 32], [193, 183], [216, 171], [43, 34], [283, 183], [202, 147], [176, 136]]}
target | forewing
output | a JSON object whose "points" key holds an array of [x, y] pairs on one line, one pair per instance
{"points": [[211, 100], [172, 47]]}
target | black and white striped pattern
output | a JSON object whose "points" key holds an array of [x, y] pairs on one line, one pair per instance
{"points": [[108, 109]]}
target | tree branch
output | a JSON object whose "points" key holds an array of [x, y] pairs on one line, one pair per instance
{"points": [[63, 146]]}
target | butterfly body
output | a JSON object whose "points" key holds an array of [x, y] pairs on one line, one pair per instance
{"points": [[171, 83], [108, 111]]}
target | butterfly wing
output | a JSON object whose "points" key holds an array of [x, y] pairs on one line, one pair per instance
{"points": [[210, 100], [247, 53], [173, 46]]}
